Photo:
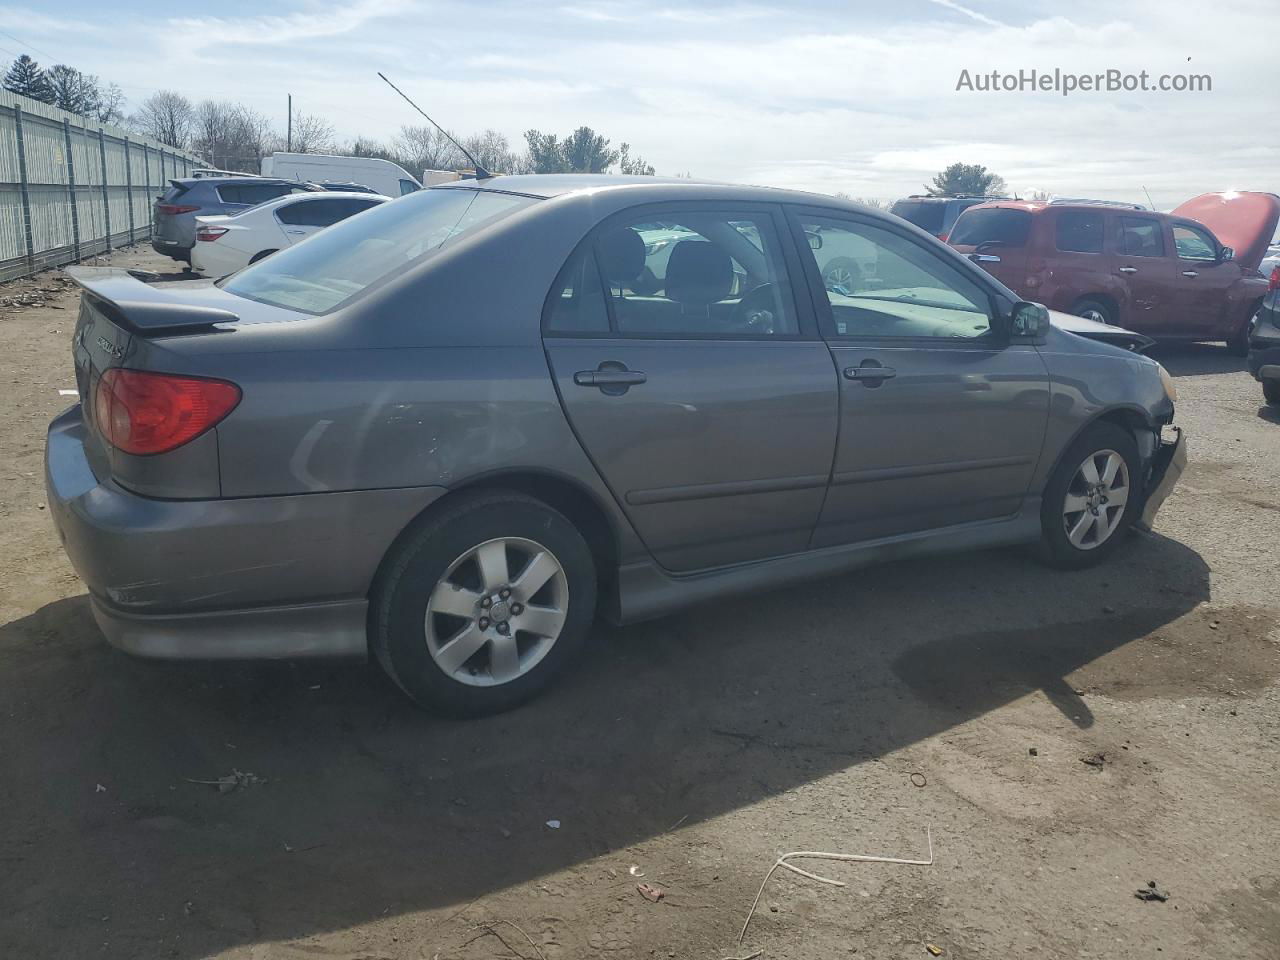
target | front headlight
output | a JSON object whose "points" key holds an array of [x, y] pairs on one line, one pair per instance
{"points": [[1170, 388]]}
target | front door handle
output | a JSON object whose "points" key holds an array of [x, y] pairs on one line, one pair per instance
{"points": [[1190, 273], [1128, 269], [296, 233], [870, 374], [610, 377]]}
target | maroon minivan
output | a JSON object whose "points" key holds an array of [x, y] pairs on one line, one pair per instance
{"points": [[1187, 275]]}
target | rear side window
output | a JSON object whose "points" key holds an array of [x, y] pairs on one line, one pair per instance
{"points": [[1141, 237], [576, 303], [925, 214], [338, 264], [1080, 231], [998, 226], [252, 193], [407, 187], [313, 213]]}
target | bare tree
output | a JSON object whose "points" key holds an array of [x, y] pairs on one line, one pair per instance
{"points": [[426, 148], [166, 116], [493, 151], [311, 134], [111, 102]]}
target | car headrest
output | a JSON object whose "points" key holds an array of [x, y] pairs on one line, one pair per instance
{"points": [[698, 273], [621, 255]]}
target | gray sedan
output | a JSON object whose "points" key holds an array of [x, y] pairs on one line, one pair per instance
{"points": [[455, 430]]}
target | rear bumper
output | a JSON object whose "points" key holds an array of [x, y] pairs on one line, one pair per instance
{"points": [[1167, 465], [171, 248], [250, 577]]}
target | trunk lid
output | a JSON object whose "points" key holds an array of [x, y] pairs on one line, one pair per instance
{"points": [[1242, 220]]}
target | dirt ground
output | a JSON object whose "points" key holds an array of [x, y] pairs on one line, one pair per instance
{"points": [[1065, 738]]}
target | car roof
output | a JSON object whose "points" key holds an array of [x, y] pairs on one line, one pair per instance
{"points": [[650, 189]]}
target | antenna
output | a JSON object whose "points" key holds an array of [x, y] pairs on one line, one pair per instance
{"points": [[481, 172], [1149, 200]]}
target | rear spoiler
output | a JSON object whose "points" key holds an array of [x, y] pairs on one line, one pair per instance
{"points": [[142, 308]]}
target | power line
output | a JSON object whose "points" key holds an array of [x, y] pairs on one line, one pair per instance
{"points": [[43, 53]]}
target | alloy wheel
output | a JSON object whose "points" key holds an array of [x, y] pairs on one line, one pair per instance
{"points": [[497, 611], [1096, 499]]}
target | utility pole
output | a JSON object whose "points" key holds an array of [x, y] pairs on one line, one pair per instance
{"points": [[289, 136]]}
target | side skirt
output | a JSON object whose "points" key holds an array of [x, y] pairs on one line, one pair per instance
{"points": [[644, 590]]}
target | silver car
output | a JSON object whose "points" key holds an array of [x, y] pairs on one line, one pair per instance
{"points": [[453, 431]]}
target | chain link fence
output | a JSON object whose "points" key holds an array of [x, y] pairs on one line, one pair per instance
{"points": [[71, 187]]}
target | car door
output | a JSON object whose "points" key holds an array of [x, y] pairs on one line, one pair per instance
{"points": [[695, 381], [1202, 280], [941, 417], [1146, 268]]}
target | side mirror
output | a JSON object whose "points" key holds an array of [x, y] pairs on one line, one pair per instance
{"points": [[1028, 319], [815, 240], [1226, 253]]}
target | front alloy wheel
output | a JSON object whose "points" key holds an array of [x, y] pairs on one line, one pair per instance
{"points": [[1096, 500]]}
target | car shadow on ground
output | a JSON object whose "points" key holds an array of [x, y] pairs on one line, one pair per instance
{"points": [[1196, 359], [370, 807]]}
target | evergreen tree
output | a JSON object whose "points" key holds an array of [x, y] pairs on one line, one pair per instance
{"points": [[26, 77]]}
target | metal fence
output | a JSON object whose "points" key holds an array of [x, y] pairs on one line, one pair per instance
{"points": [[71, 187]]}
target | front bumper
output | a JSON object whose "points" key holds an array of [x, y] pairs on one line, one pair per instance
{"points": [[1167, 465], [282, 576]]}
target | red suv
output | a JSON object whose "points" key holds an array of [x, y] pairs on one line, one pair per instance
{"points": [[1187, 275]]}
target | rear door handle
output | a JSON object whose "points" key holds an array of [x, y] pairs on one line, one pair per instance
{"points": [[1128, 269], [870, 373], [1190, 273], [610, 377]]}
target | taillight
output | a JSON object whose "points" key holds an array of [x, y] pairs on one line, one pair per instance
{"points": [[209, 233], [143, 413], [943, 237], [172, 208], [1274, 282]]}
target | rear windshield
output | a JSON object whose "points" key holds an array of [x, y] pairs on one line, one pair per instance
{"points": [[996, 225], [174, 192], [925, 214], [340, 262]]}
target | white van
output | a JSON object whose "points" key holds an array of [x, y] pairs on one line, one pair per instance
{"points": [[381, 176]]}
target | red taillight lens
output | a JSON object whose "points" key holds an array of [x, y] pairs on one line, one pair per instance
{"points": [[172, 208], [209, 233], [143, 413], [1274, 282], [943, 237]]}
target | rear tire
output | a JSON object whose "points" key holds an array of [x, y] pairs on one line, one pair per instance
{"points": [[1081, 525], [1097, 310], [452, 624], [261, 255], [1271, 391]]}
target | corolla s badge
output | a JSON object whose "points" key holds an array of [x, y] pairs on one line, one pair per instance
{"points": [[110, 348]]}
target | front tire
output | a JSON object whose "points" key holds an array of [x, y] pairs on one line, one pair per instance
{"points": [[484, 604], [1271, 392], [1092, 498]]}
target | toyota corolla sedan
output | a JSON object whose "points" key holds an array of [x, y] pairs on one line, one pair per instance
{"points": [[455, 430]]}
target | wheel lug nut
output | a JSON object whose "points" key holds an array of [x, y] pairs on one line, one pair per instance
{"points": [[517, 609], [504, 592], [484, 623], [503, 629], [487, 602]]}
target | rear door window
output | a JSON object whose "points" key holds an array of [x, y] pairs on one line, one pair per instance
{"points": [[252, 193], [1141, 237], [313, 213], [1080, 231], [925, 214], [997, 226]]}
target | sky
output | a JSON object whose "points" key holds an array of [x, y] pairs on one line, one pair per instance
{"points": [[858, 97]]}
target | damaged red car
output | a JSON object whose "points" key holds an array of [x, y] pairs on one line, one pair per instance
{"points": [[1187, 275]]}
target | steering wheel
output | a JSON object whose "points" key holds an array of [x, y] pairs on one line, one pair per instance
{"points": [[757, 312]]}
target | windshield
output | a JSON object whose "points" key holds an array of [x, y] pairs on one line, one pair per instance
{"points": [[925, 214], [335, 265], [998, 225]]}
